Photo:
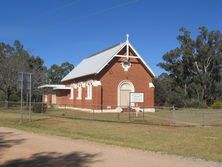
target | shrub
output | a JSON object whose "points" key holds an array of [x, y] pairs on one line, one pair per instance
{"points": [[39, 107], [195, 103], [176, 100], [217, 104], [14, 97]]}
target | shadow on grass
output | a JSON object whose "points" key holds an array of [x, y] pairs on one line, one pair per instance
{"points": [[74, 159]]}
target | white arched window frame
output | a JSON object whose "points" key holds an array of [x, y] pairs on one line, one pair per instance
{"points": [[79, 88], [71, 93], [89, 87]]}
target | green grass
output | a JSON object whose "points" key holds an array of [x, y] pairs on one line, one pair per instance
{"points": [[198, 142]]}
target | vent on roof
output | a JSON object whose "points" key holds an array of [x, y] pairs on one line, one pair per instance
{"points": [[104, 50]]}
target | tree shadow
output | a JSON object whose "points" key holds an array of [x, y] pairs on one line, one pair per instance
{"points": [[7, 143], [74, 159]]}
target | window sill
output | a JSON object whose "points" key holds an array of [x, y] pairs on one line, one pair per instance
{"points": [[88, 98]]}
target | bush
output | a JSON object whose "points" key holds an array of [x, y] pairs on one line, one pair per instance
{"points": [[176, 100], [217, 104], [39, 107], [14, 97], [195, 103]]}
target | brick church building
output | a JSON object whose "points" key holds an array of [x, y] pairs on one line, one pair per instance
{"points": [[103, 82]]}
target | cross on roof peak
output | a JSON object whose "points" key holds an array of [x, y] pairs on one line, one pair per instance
{"points": [[127, 37]]}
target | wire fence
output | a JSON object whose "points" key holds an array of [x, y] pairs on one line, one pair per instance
{"points": [[168, 116]]}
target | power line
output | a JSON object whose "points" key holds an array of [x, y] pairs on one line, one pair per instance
{"points": [[105, 10]]}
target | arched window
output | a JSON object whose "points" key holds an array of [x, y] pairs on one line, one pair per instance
{"points": [[89, 91], [71, 93], [79, 87]]}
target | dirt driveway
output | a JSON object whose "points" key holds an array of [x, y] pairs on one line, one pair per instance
{"points": [[24, 149]]}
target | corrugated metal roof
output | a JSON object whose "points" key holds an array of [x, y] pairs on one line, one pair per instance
{"points": [[94, 63]]}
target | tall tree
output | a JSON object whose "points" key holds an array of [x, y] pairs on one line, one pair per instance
{"points": [[14, 59], [196, 62]]}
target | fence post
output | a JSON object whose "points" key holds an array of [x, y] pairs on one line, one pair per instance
{"points": [[6, 104], [174, 115], [203, 121], [143, 113], [42, 108], [94, 110], [129, 114]]}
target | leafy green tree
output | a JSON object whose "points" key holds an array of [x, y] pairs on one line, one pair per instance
{"points": [[196, 63], [14, 59], [57, 72]]}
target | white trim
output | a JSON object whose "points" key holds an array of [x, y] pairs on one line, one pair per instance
{"points": [[75, 86], [89, 110], [118, 89], [74, 108], [55, 87], [89, 88], [110, 59], [107, 111], [115, 55], [116, 110], [151, 85], [142, 60], [96, 83], [133, 57], [71, 94], [79, 92]]}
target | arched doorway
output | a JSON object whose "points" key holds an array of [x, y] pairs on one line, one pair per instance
{"points": [[124, 89]]}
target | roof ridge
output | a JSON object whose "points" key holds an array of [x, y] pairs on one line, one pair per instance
{"points": [[113, 46]]}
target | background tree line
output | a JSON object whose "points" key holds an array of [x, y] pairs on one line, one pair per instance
{"points": [[13, 59]]}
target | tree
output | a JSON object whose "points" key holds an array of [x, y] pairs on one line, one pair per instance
{"points": [[197, 63], [56, 73], [14, 59]]}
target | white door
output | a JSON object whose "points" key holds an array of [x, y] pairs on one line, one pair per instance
{"points": [[124, 92]]}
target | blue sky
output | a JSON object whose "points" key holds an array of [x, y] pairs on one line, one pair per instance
{"points": [[70, 30]]}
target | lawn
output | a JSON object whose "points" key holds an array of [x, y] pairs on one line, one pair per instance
{"points": [[198, 142]]}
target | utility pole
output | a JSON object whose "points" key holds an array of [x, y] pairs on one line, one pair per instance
{"points": [[21, 108], [30, 96]]}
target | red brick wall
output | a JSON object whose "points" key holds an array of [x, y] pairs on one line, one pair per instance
{"points": [[63, 97], [114, 74]]}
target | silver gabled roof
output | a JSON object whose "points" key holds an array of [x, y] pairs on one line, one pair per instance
{"points": [[94, 63]]}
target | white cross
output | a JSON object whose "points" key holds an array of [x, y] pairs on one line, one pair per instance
{"points": [[127, 46], [127, 37]]}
